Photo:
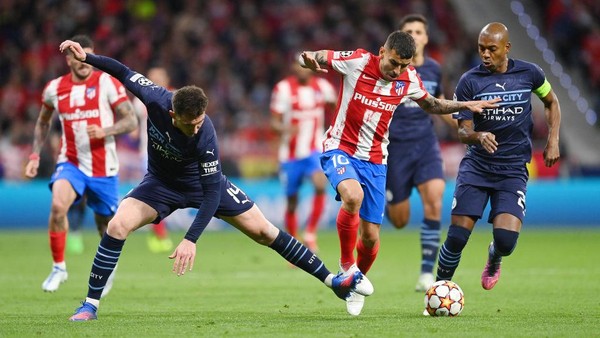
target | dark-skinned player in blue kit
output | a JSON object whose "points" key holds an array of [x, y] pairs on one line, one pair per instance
{"points": [[184, 171], [498, 149]]}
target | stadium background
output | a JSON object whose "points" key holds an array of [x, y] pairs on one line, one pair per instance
{"points": [[237, 50]]}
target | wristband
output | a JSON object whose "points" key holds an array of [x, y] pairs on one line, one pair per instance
{"points": [[34, 157]]}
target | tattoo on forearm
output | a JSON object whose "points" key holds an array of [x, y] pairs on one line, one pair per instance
{"points": [[437, 106], [321, 58], [128, 120]]}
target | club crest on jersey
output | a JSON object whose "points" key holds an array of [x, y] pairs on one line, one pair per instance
{"points": [[399, 87], [341, 170], [90, 92]]}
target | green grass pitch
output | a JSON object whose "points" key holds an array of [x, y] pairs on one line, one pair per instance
{"points": [[549, 288]]}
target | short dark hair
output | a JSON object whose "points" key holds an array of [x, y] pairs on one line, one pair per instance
{"points": [[84, 40], [402, 43], [412, 18], [190, 101]]}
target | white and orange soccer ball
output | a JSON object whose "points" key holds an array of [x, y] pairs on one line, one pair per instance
{"points": [[444, 298]]}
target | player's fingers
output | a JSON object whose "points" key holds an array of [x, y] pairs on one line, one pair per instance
{"points": [[191, 263], [182, 266]]}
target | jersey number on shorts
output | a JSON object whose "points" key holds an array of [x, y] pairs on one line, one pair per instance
{"points": [[234, 191], [521, 200]]}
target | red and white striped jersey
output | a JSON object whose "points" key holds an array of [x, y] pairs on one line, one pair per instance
{"points": [[366, 105], [79, 105], [301, 106]]}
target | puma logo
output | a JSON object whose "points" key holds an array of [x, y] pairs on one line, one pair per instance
{"points": [[212, 152], [501, 85], [169, 136]]}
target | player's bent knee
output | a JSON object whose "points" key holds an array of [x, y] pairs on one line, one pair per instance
{"points": [[117, 229]]}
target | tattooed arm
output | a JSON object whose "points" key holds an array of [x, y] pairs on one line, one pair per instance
{"points": [[127, 121], [434, 105], [315, 61]]}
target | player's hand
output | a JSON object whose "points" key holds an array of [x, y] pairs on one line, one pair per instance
{"points": [[31, 169], [551, 154], [184, 255], [488, 141], [479, 106], [73, 47], [311, 63], [95, 131]]}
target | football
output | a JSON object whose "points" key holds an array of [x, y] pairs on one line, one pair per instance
{"points": [[444, 298]]}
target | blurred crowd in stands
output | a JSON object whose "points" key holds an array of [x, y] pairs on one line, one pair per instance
{"points": [[236, 50], [574, 28]]}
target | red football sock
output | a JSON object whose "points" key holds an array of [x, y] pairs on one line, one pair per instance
{"points": [[160, 229], [366, 256], [347, 227], [291, 223], [57, 245], [317, 211]]}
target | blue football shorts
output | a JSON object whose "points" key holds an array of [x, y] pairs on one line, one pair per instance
{"points": [[166, 199], [102, 192], [292, 173], [410, 164], [339, 166], [504, 187]]}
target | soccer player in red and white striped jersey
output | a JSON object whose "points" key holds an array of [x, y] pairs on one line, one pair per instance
{"points": [[92, 107], [355, 148], [298, 105]]}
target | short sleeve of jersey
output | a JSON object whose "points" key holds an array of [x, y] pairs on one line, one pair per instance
{"points": [[49, 93], [416, 89], [280, 98], [115, 91], [344, 61], [541, 86], [463, 92]]}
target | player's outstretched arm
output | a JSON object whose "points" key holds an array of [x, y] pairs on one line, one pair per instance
{"points": [[434, 105], [552, 112], [315, 61], [467, 135]]}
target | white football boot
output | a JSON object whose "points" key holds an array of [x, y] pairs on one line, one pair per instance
{"points": [[356, 299], [109, 283], [425, 281], [57, 276]]}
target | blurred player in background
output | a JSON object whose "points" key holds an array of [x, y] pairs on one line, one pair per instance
{"points": [[498, 149], [158, 238], [184, 170], [92, 107], [298, 105], [415, 159], [355, 148]]}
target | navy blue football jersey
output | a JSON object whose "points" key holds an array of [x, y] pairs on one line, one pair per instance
{"points": [[410, 122], [512, 121], [182, 162]]}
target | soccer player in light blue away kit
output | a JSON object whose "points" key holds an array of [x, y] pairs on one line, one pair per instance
{"points": [[184, 171], [498, 149], [415, 159]]}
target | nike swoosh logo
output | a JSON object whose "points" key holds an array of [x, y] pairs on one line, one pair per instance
{"points": [[62, 97], [367, 77]]}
